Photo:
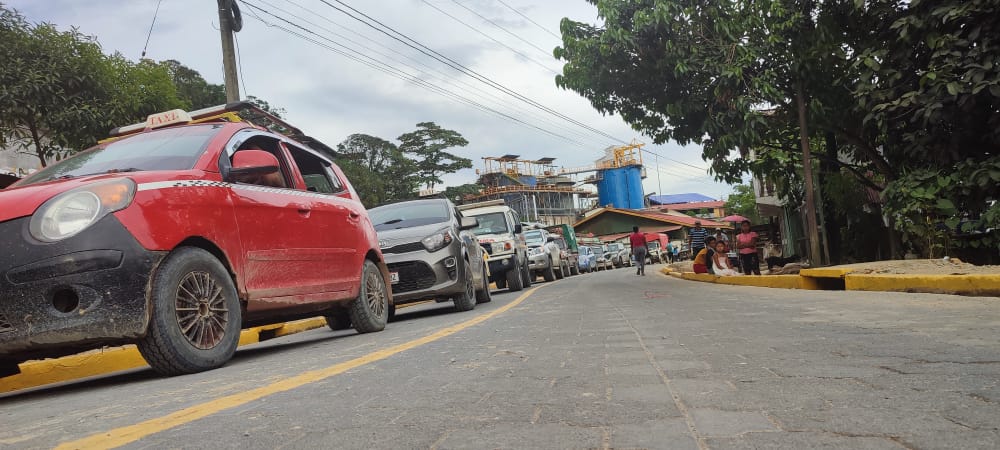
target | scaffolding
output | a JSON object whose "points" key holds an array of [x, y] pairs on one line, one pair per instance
{"points": [[535, 188]]}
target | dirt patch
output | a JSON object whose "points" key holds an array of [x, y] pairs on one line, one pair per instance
{"points": [[922, 267]]}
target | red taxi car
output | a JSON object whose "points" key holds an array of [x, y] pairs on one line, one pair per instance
{"points": [[177, 234]]}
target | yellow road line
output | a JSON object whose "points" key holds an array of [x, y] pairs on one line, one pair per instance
{"points": [[128, 434], [116, 359]]}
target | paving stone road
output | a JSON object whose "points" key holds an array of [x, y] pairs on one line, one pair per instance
{"points": [[605, 360]]}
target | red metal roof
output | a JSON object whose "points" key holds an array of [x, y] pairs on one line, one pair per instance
{"points": [[684, 221], [693, 205]]}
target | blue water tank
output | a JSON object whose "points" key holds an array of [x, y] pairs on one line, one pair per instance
{"points": [[621, 188]]}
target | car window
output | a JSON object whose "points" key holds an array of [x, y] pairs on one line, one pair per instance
{"points": [[167, 149], [409, 214], [534, 237], [315, 172], [491, 223]]}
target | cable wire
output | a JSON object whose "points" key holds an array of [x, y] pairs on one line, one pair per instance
{"points": [[150, 33], [529, 19], [375, 64], [535, 61], [412, 43], [546, 52]]}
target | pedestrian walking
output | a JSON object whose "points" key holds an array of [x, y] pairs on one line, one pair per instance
{"points": [[696, 238], [670, 252], [703, 260], [746, 242], [638, 241]]}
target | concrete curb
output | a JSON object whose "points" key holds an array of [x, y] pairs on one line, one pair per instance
{"points": [[841, 279], [115, 359]]}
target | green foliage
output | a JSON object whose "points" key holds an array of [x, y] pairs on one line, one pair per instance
{"points": [[427, 144], [192, 87], [896, 87], [743, 202], [458, 193], [379, 171], [56, 88]]}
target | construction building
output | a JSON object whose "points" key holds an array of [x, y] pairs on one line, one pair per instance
{"points": [[542, 192]]}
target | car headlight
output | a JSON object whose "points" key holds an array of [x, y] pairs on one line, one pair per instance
{"points": [[71, 212], [536, 251], [437, 241]]}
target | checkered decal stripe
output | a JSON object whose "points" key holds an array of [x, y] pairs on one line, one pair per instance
{"points": [[221, 184]]}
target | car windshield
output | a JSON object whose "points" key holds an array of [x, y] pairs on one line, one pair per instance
{"points": [[409, 214], [534, 237], [616, 247], [167, 149], [654, 245], [492, 223], [561, 243]]}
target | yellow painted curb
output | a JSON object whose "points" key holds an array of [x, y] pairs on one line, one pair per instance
{"points": [[116, 359], [934, 284], [825, 272], [768, 281]]}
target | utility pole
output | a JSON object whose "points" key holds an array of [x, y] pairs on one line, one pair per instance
{"points": [[812, 231], [228, 51]]}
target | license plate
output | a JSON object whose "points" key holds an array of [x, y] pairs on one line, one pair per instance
{"points": [[394, 277]]}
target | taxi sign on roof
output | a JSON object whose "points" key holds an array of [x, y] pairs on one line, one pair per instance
{"points": [[165, 118]]}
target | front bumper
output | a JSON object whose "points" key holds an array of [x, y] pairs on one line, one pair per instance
{"points": [[424, 275], [538, 262], [59, 298], [500, 264]]}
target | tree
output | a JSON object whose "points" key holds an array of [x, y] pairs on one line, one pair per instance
{"points": [[55, 87], [379, 171], [192, 87], [428, 144], [458, 193], [761, 84], [743, 202]]}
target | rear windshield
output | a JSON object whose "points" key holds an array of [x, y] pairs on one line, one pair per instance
{"points": [[409, 214], [533, 237], [166, 149]]}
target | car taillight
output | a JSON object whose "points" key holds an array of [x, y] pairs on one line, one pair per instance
{"points": [[507, 246]]}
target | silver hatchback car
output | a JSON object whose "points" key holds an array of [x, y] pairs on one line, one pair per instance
{"points": [[431, 254]]}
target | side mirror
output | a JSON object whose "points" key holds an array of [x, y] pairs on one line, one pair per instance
{"points": [[518, 229], [468, 223], [254, 162], [550, 239]]}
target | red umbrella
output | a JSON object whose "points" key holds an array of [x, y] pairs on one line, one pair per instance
{"points": [[733, 218]]}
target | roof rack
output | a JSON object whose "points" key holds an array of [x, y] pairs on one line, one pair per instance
{"points": [[241, 111], [466, 206]]}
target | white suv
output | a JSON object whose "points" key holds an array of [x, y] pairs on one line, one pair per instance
{"points": [[499, 233]]}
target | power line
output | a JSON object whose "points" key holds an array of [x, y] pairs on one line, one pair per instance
{"points": [[375, 64], [412, 43], [676, 161], [529, 19], [150, 33], [445, 78], [490, 37], [546, 52]]}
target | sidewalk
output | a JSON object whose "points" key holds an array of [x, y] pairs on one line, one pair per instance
{"points": [[856, 278]]}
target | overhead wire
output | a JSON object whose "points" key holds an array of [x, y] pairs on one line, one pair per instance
{"points": [[477, 30], [375, 64], [412, 43], [529, 19], [443, 77], [151, 25], [502, 28]]}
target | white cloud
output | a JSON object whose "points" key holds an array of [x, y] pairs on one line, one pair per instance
{"points": [[330, 96]]}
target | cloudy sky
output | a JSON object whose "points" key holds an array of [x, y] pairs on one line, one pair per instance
{"points": [[331, 96]]}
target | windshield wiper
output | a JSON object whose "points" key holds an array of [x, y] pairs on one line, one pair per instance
{"points": [[129, 169]]}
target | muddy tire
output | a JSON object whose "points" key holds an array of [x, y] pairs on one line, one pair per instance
{"points": [[466, 300], [502, 282], [561, 273], [515, 280], [370, 311], [338, 320], [196, 317], [483, 295], [549, 273], [575, 269], [527, 276]]}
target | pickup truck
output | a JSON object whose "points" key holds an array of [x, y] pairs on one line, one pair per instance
{"points": [[566, 240]]}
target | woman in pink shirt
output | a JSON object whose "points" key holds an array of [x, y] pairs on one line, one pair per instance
{"points": [[746, 242]]}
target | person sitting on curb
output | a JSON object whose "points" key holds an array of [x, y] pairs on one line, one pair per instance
{"points": [[703, 260], [720, 261]]}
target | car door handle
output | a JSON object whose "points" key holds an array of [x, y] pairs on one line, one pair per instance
{"points": [[354, 214], [303, 209]]}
